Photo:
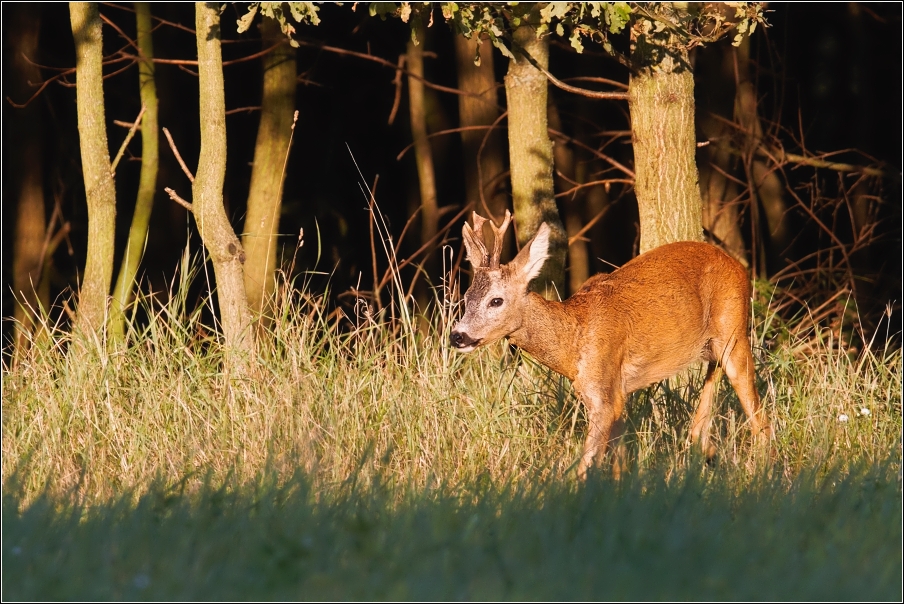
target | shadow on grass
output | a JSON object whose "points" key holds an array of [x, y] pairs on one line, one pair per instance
{"points": [[695, 536]]}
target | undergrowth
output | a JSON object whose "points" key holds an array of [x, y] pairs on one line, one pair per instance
{"points": [[340, 395], [361, 458]]}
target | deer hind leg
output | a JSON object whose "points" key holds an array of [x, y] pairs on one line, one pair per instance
{"points": [[704, 414], [737, 360], [603, 424]]}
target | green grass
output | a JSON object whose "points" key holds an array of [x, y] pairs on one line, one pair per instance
{"points": [[644, 538], [374, 462]]}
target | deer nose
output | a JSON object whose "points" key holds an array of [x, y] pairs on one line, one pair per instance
{"points": [[457, 339], [461, 340]]}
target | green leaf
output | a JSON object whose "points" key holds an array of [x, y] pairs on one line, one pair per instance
{"points": [[575, 40], [248, 18], [554, 10], [381, 9], [617, 16], [449, 10], [304, 12], [502, 47]]}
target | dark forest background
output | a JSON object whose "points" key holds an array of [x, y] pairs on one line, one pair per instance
{"points": [[827, 76]]}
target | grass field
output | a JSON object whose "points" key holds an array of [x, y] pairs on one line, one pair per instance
{"points": [[645, 538], [374, 463]]}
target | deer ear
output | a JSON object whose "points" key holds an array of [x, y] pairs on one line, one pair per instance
{"points": [[530, 259], [473, 248]]}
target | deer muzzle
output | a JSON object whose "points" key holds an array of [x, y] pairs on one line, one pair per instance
{"points": [[462, 341]]}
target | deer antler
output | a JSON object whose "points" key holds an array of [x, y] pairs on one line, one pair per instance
{"points": [[474, 244], [498, 235]]}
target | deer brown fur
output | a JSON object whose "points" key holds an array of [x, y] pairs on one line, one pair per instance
{"points": [[661, 312]]}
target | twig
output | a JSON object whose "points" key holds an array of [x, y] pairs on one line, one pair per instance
{"points": [[427, 244], [599, 154], [593, 94], [441, 133], [782, 157], [156, 18], [172, 145], [779, 156], [128, 40], [57, 239], [125, 143], [385, 63], [589, 225], [175, 197], [578, 186], [597, 80], [241, 109], [397, 82]]}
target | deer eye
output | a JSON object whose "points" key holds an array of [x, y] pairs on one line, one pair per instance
{"points": [[495, 302]]}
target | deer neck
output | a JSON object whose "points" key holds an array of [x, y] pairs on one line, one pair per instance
{"points": [[549, 334]]}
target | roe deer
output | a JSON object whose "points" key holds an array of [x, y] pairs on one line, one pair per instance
{"points": [[645, 322]]}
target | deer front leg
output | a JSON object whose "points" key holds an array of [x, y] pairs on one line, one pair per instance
{"points": [[603, 424]]}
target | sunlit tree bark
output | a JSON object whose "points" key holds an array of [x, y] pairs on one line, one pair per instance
{"points": [[259, 237], [424, 157], [219, 238], [531, 157], [147, 185], [661, 100], [100, 191]]}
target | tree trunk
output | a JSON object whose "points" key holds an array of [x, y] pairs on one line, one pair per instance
{"points": [[270, 152], [100, 192], [715, 68], [765, 181], [572, 205], [27, 170], [147, 185], [661, 100], [530, 157], [219, 238], [482, 110], [424, 158]]}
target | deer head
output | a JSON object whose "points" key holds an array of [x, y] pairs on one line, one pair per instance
{"points": [[494, 302]]}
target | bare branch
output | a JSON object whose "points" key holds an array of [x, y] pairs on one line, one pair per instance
{"points": [[593, 94], [175, 197], [125, 143], [172, 145]]}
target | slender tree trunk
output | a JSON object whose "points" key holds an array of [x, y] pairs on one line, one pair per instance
{"points": [[219, 238], [100, 192], [265, 196], [482, 110], [766, 182], [424, 158], [572, 205], [531, 158], [661, 100], [715, 67], [147, 185], [27, 171]]}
